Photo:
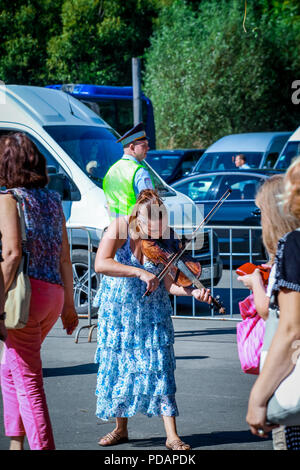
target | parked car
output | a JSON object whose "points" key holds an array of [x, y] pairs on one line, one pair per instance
{"points": [[289, 151], [79, 148], [172, 165], [238, 210], [261, 150]]}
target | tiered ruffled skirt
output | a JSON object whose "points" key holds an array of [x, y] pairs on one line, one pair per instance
{"points": [[135, 350]]}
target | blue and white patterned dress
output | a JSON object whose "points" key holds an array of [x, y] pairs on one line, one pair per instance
{"points": [[135, 346]]}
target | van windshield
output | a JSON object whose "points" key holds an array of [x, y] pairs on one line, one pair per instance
{"points": [[95, 150], [291, 151], [225, 160]]}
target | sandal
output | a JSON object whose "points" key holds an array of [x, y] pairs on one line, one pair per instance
{"points": [[178, 444], [113, 438]]}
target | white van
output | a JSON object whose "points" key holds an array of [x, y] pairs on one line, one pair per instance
{"points": [[261, 150], [79, 148], [289, 151]]}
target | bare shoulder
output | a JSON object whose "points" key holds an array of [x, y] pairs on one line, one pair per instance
{"points": [[118, 229], [7, 202]]}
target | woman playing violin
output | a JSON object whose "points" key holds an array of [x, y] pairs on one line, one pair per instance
{"points": [[135, 332]]}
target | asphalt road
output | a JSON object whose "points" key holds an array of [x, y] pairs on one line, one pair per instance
{"points": [[212, 392]]}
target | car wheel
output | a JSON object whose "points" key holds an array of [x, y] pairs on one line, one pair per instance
{"points": [[80, 281]]}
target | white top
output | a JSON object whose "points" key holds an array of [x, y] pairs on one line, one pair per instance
{"points": [[271, 281]]}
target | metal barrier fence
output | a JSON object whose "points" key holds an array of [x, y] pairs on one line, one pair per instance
{"points": [[230, 255], [210, 229], [88, 275]]}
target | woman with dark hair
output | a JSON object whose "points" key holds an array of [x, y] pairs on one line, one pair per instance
{"points": [[135, 332], [24, 174]]}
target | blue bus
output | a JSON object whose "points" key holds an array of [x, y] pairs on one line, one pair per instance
{"points": [[114, 104]]}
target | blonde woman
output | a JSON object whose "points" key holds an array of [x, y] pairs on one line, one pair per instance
{"points": [[286, 291], [268, 201]]}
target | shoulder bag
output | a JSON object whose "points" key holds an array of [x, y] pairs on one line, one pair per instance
{"points": [[17, 302], [250, 335], [284, 405]]}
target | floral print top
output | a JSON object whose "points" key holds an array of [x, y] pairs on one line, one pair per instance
{"points": [[43, 216]]}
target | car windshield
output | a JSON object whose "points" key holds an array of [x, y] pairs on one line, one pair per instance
{"points": [[196, 188], [225, 160], [212, 187], [163, 164], [94, 149], [291, 151]]}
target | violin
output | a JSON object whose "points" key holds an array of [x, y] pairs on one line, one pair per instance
{"points": [[159, 252], [249, 268], [184, 272], [174, 258]]}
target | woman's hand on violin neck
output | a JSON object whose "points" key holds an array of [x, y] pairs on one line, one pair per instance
{"points": [[203, 295], [150, 279]]}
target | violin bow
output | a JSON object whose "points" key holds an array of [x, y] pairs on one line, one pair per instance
{"points": [[175, 258]]}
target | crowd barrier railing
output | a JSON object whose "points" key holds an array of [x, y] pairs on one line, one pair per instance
{"points": [[230, 255]]}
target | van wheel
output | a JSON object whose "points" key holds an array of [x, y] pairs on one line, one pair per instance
{"points": [[80, 281]]}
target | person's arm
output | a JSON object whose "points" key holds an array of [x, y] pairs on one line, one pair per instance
{"points": [[279, 361], [142, 180], [203, 295], [255, 283], [68, 315], [11, 238], [3, 331], [113, 239]]}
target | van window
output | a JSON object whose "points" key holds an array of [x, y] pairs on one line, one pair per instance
{"points": [[274, 151], [94, 149], [291, 151], [225, 160]]}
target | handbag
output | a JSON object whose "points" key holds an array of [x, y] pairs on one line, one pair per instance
{"points": [[284, 405], [250, 335], [17, 303]]}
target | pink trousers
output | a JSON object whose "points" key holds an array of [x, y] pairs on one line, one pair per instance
{"points": [[24, 401]]}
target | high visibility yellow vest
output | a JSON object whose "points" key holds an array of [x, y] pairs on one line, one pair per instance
{"points": [[118, 186]]}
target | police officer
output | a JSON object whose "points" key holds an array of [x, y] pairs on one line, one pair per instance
{"points": [[129, 175]]}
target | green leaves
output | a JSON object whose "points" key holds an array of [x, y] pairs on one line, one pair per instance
{"points": [[208, 78], [89, 41]]}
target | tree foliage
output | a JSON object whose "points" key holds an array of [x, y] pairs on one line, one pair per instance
{"points": [[25, 30], [208, 76], [208, 72], [98, 40], [89, 41]]}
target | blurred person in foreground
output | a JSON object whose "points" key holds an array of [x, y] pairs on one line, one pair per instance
{"points": [[286, 289], [267, 200], [23, 172]]}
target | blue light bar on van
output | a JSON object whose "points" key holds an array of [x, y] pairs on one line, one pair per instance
{"points": [[98, 91]]}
